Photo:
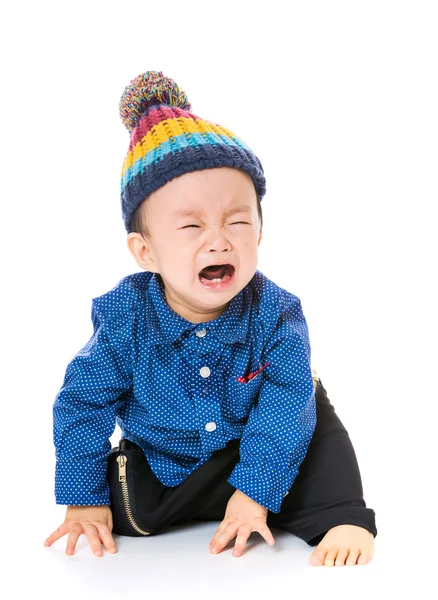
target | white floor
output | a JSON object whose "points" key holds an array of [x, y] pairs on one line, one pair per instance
{"points": [[398, 479], [177, 564]]}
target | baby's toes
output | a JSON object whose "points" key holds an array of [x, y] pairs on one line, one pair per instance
{"points": [[317, 557], [352, 558], [331, 556], [342, 555], [364, 558]]}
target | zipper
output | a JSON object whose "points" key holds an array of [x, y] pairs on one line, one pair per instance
{"points": [[122, 460]]}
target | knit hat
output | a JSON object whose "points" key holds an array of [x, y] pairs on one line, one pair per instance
{"points": [[168, 140]]}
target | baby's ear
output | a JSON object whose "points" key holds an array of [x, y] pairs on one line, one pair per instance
{"points": [[140, 250], [260, 238]]}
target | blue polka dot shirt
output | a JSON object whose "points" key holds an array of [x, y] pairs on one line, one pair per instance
{"points": [[182, 390]]}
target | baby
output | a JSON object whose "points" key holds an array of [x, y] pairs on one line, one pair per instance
{"points": [[203, 362]]}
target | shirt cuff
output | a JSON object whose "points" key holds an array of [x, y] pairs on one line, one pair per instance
{"points": [[266, 487], [82, 483]]}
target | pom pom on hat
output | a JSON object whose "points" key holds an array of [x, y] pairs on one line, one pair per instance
{"points": [[149, 89]]}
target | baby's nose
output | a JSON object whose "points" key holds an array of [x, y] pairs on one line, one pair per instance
{"points": [[218, 240]]}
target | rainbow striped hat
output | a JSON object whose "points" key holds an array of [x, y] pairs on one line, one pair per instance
{"points": [[168, 140]]}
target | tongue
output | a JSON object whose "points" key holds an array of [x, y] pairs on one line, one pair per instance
{"points": [[213, 271]]}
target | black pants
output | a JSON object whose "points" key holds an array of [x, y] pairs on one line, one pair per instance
{"points": [[326, 492]]}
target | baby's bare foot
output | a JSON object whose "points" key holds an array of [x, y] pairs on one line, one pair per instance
{"points": [[344, 543]]}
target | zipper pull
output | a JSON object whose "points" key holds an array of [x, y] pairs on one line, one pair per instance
{"points": [[121, 459]]}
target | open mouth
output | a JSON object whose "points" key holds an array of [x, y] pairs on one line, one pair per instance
{"points": [[216, 276]]}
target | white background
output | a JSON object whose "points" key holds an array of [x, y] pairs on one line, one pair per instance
{"points": [[339, 101]]}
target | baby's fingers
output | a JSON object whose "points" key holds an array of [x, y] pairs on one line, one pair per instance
{"points": [[224, 533], [90, 530], [265, 532], [75, 531], [106, 537], [58, 533], [241, 539]]}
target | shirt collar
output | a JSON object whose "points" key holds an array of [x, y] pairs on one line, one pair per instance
{"points": [[165, 325]]}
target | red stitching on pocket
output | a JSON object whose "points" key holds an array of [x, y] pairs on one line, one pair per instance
{"points": [[245, 379]]}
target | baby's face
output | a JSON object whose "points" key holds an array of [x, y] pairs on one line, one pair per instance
{"points": [[202, 218]]}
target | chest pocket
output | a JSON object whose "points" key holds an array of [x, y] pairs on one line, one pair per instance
{"points": [[239, 398]]}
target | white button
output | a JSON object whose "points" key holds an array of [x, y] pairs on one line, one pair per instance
{"points": [[205, 372], [201, 332], [210, 426]]}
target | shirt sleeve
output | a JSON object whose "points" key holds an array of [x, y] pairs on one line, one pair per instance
{"points": [[84, 412], [282, 421]]}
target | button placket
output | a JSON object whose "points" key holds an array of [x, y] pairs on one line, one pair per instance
{"points": [[207, 398]]}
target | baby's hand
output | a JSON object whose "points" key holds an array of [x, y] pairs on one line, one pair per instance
{"points": [[243, 516], [96, 522]]}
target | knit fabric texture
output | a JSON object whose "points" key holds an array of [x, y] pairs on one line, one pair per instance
{"points": [[168, 140]]}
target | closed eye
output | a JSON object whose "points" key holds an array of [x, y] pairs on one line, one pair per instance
{"points": [[236, 223]]}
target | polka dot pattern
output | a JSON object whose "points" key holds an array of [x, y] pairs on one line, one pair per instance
{"points": [[173, 388]]}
